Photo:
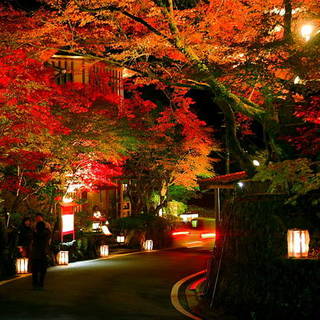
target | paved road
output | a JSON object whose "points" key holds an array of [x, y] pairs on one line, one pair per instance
{"points": [[128, 287]]}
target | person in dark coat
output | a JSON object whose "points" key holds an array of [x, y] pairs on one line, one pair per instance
{"points": [[39, 252], [25, 234], [39, 217]]}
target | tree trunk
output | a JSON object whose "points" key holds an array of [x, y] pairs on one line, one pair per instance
{"points": [[234, 145]]}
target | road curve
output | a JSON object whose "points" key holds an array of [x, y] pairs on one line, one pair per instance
{"points": [[127, 287]]}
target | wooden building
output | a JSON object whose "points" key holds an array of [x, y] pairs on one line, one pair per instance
{"points": [[111, 200]]}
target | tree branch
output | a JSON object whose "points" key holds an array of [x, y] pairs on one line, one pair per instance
{"points": [[239, 104], [287, 21], [113, 8]]}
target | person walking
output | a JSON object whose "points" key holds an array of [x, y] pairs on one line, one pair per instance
{"points": [[39, 252], [25, 235]]}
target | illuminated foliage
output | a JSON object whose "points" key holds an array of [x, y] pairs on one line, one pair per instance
{"points": [[174, 149], [245, 53], [49, 131], [55, 136]]}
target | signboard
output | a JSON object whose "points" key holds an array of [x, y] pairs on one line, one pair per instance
{"points": [[67, 218], [67, 223]]}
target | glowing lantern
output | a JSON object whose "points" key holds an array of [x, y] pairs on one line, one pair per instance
{"points": [[22, 265], [120, 239], [148, 245], [306, 31], [104, 250], [298, 243], [63, 258]]}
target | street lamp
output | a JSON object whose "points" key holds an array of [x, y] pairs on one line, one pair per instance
{"points": [[240, 184], [306, 31]]}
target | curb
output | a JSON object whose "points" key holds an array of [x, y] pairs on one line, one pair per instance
{"points": [[189, 294], [18, 277]]}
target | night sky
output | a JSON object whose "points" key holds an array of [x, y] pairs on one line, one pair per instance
{"points": [[23, 4]]}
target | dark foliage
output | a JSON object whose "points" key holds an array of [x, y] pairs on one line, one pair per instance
{"points": [[142, 227], [256, 279]]}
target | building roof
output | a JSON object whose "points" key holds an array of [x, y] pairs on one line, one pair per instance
{"points": [[225, 181]]}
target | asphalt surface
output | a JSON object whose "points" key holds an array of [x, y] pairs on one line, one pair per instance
{"points": [[127, 287]]}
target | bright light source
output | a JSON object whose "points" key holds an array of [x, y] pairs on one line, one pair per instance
{"points": [[256, 163], [120, 239], [148, 245], [66, 199], [22, 265], [297, 80], [104, 250], [63, 257], [188, 216], [96, 225], [208, 235], [240, 184], [306, 31], [67, 222], [298, 243], [178, 233], [106, 230]]}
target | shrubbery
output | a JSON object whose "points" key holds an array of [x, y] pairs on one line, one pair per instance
{"points": [[139, 228]]}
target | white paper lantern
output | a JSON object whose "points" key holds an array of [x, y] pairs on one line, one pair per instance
{"points": [[148, 245], [120, 239], [298, 243], [63, 258], [104, 250], [22, 265]]}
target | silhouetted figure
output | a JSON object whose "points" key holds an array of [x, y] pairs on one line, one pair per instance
{"points": [[39, 217], [39, 252], [25, 235]]}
